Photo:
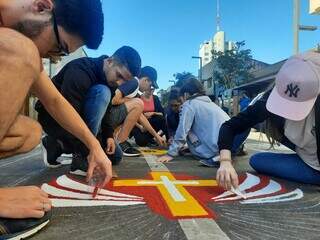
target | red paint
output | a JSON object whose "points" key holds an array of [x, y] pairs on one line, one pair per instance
{"points": [[157, 204]]}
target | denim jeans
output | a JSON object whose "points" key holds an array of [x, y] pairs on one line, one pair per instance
{"points": [[96, 103]]}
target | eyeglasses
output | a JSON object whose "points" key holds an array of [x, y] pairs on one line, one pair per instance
{"points": [[61, 50]]}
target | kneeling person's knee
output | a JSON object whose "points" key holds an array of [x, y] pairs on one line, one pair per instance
{"points": [[34, 134]]}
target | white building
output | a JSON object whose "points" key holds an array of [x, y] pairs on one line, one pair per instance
{"points": [[314, 7], [53, 69], [218, 43]]}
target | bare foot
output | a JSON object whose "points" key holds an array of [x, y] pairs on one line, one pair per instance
{"points": [[23, 202]]}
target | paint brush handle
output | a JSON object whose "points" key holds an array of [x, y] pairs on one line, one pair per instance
{"points": [[96, 181], [238, 192]]}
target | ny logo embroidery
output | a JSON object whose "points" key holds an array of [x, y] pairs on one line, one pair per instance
{"points": [[292, 90]]}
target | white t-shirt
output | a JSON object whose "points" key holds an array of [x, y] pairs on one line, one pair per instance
{"points": [[303, 135]]}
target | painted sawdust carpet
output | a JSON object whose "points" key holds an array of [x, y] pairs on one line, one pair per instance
{"points": [[175, 196]]}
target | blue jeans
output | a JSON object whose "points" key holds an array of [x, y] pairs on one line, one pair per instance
{"points": [[96, 103], [286, 166]]}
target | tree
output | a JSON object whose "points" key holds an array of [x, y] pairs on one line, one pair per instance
{"points": [[182, 77], [232, 67]]}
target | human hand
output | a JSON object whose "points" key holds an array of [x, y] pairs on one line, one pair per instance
{"points": [[148, 114], [99, 164], [227, 176], [165, 158], [161, 141], [111, 146], [23, 202]]}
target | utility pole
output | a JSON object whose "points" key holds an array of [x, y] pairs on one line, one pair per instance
{"points": [[296, 25], [218, 16]]}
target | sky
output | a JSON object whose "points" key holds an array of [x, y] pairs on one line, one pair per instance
{"points": [[167, 33]]}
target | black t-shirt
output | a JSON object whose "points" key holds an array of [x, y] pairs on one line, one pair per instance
{"points": [[77, 77]]}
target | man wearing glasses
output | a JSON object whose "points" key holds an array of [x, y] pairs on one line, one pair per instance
{"points": [[31, 29]]}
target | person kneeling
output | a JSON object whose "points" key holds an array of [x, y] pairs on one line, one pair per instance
{"points": [[199, 125]]}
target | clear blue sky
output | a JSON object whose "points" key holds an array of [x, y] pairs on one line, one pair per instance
{"points": [[168, 32]]}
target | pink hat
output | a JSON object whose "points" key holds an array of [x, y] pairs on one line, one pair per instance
{"points": [[297, 87]]}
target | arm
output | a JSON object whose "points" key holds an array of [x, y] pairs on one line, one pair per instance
{"points": [[226, 174], [68, 118], [126, 91], [145, 123], [118, 98], [180, 138], [245, 120], [185, 124]]}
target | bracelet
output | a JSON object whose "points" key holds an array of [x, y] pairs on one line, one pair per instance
{"points": [[225, 160]]}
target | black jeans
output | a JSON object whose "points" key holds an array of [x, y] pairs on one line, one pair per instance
{"points": [[143, 138]]}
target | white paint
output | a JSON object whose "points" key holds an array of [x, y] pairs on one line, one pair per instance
{"points": [[250, 181], [194, 229], [271, 188], [65, 159], [172, 190], [174, 182], [57, 192], [294, 195], [64, 181], [155, 165], [200, 229], [30, 232], [90, 203]]}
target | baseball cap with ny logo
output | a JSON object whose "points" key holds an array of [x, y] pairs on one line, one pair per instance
{"points": [[297, 87]]}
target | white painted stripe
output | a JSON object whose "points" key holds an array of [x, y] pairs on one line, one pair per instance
{"points": [[64, 181], [198, 229], [90, 203], [30, 232], [174, 182], [272, 187], [194, 229], [249, 182], [173, 191], [294, 195], [56, 192], [155, 165], [149, 183]]}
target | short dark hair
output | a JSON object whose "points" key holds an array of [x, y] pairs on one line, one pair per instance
{"points": [[174, 94], [192, 86], [130, 58], [83, 18]]}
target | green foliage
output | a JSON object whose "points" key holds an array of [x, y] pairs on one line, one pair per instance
{"points": [[232, 68], [181, 78]]}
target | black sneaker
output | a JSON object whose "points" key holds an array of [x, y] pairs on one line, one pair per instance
{"points": [[16, 229], [128, 150], [51, 151], [79, 165]]}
